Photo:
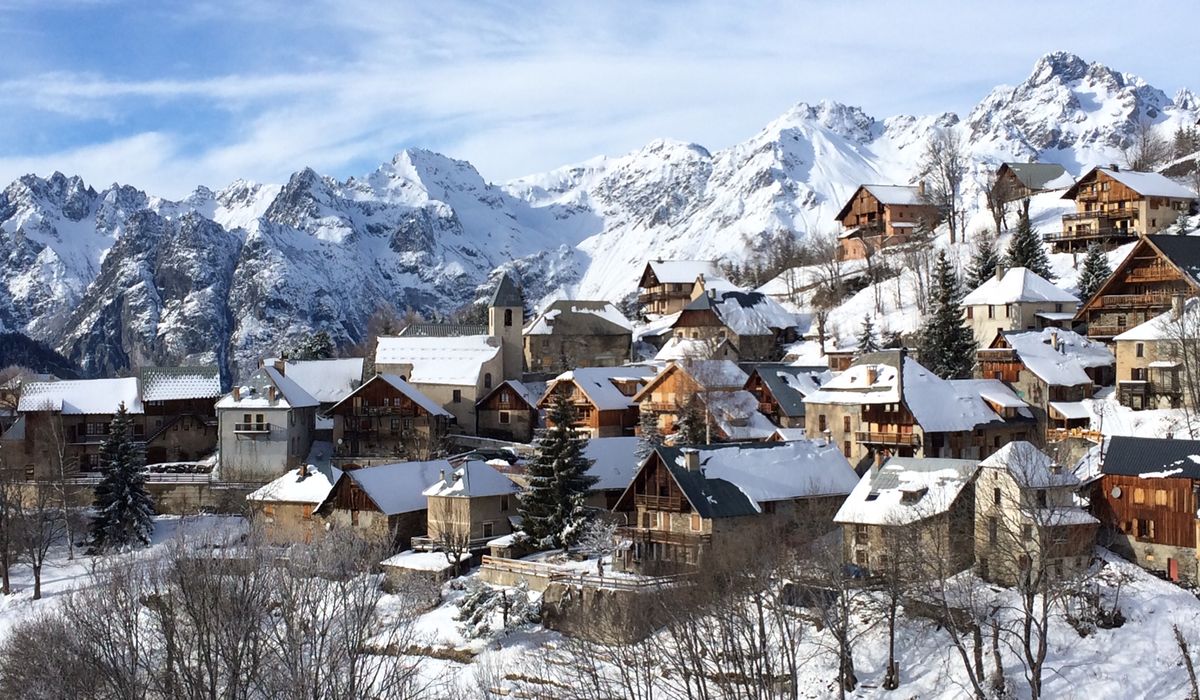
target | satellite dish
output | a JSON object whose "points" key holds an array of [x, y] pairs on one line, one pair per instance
{"points": [[1116, 492]]}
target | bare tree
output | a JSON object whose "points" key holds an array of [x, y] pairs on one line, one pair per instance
{"points": [[599, 538], [1185, 655], [10, 524], [1000, 194], [41, 524], [943, 167], [1145, 149]]}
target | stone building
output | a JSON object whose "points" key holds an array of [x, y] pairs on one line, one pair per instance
{"points": [[570, 333], [1015, 300], [1150, 358], [266, 427], [385, 420], [510, 411]]}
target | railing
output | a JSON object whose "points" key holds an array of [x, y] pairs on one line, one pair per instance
{"points": [[1080, 234], [664, 406], [658, 502], [395, 411], [1100, 215], [1128, 301], [429, 544], [887, 438], [1055, 434], [252, 428], [996, 355], [1095, 331], [649, 535], [1154, 273]]}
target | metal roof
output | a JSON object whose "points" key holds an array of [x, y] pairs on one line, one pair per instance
{"points": [[507, 294], [1135, 456], [442, 330], [1036, 175]]}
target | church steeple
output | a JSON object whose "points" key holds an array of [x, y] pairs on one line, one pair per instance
{"points": [[506, 316]]}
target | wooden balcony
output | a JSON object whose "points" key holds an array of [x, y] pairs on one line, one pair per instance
{"points": [[1106, 232], [996, 355], [1134, 301], [1108, 331], [648, 535], [1106, 215], [658, 406], [887, 438], [671, 503], [1153, 273]]}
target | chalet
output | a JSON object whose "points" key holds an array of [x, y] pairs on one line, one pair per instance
{"points": [[386, 501], [1143, 285], [911, 504], [886, 404], [1014, 300], [327, 381], [468, 506], [178, 404], [713, 387], [1052, 370], [387, 419], [510, 411], [1016, 181], [456, 365], [667, 285], [686, 505], [878, 216], [1114, 206], [602, 396], [286, 508], [1150, 358], [755, 325], [570, 333], [266, 426], [680, 348], [1026, 518], [1145, 498], [63, 424], [780, 390]]}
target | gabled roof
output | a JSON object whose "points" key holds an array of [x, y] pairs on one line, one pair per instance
{"points": [[1180, 252], [507, 293], [613, 461], [414, 394], [1152, 457], [455, 360], [596, 383], [529, 392], [442, 330], [313, 488], [399, 488], [255, 392], [744, 313], [1160, 328], [472, 479], [326, 381], [789, 384], [932, 485], [1058, 356], [1039, 176], [677, 348], [711, 375], [888, 195], [736, 416], [81, 396], [1031, 467], [1145, 184], [176, 383], [574, 317], [680, 271], [736, 479], [1018, 285]]}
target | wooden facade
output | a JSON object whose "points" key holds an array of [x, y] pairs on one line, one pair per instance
{"points": [[598, 422], [662, 297], [348, 505], [379, 423], [1142, 287], [1109, 212], [870, 224], [1151, 521], [506, 414]]}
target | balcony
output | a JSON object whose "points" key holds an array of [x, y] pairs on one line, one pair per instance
{"points": [[659, 406], [1133, 301], [647, 535], [887, 438], [252, 428], [1123, 214], [1082, 234], [672, 503], [996, 355], [1152, 273], [1107, 331]]}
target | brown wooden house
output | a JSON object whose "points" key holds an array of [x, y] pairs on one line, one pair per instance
{"points": [[666, 285], [387, 419], [1145, 498], [755, 325], [602, 396], [713, 388], [878, 216], [1157, 270], [510, 411], [180, 412], [1114, 206], [385, 501], [1016, 181], [780, 390]]}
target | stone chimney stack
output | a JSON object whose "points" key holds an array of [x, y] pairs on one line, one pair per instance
{"points": [[872, 375], [691, 459], [271, 394], [302, 472], [921, 188], [1000, 270], [237, 393], [281, 366], [1114, 167]]}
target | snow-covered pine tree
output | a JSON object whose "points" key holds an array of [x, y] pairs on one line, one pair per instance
{"points": [[1025, 249], [892, 340], [1095, 270], [947, 346], [552, 509], [124, 509], [318, 346], [690, 423], [866, 337], [649, 436], [984, 262]]}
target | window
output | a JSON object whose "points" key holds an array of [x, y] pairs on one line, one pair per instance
{"points": [[1160, 497], [407, 423], [970, 312], [1007, 310], [291, 418], [1027, 532], [504, 418], [487, 380], [508, 317], [1145, 528], [991, 311], [846, 449], [993, 529], [504, 504], [862, 534], [1139, 495], [996, 495], [504, 397], [860, 557], [1041, 498], [1140, 349], [695, 524], [385, 402], [846, 424], [821, 423], [395, 425], [489, 529], [456, 397]]}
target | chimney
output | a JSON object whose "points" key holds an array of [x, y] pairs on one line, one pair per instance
{"points": [[302, 472], [1000, 270], [871, 375], [271, 394], [921, 187], [281, 365], [1054, 339], [691, 459], [1176, 306], [712, 294], [1114, 167], [442, 475], [237, 393]]}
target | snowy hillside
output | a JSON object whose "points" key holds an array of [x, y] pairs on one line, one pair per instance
{"points": [[119, 277]]}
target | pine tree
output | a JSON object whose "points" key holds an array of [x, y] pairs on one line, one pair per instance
{"points": [[1095, 271], [984, 262], [318, 346], [892, 340], [649, 436], [124, 509], [552, 509], [866, 337], [947, 346], [691, 427], [1025, 249]]}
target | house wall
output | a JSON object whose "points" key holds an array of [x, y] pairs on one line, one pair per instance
{"points": [[380, 422], [1008, 317], [1138, 385], [443, 394], [561, 351], [47, 434], [259, 457], [286, 523], [397, 529], [945, 536], [469, 516], [188, 439]]}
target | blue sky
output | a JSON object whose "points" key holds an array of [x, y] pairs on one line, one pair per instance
{"points": [[169, 97]]}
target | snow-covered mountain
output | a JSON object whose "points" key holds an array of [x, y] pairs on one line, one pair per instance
{"points": [[119, 277]]}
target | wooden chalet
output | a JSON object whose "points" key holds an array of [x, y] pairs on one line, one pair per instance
{"points": [[1114, 206], [510, 411], [602, 397], [1144, 493], [385, 501], [711, 387], [780, 390], [1016, 181], [180, 412], [755, 325], [384, 420], [878, 216], [1158, 269], [666, 286]]}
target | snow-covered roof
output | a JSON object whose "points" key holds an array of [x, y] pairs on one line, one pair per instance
{"points": [[81, 396], [177, 383], [788, 434], [422, 561], [400, 487], [1041, 176], [895, 194], [789, 384], [1018, 285], [994, 391], [736, 414], [313, 487], [597, 383], [1031, 467], [472, 479], [572, 317], [327, 381], [255, 392], [529, 392], [1164, 326], [862, 383], [1145, 184], [682, 271], [1071, 410], [1059, 356], [456, 360], [1140, 456], [677, 348], [905, 490], [744, 313], [413, 393], [614, 461]]}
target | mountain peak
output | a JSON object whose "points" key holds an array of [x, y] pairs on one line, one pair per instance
{"points": [[1063, 65], [845, 120]]}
